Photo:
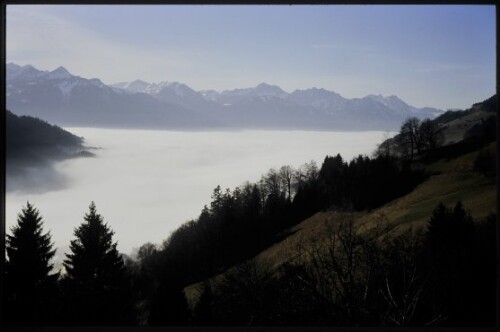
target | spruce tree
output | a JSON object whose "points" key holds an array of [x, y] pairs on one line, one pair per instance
{"points": [[30, 285], [438, 227], [449, 228], [449, 247], [96, 284]]}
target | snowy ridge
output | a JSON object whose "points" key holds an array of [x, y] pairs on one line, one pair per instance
{"points": [[58, 74], [28, 72], [261, 106], [139, 86], [67, 86]]}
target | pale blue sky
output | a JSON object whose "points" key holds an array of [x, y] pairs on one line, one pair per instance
{"points": [[440, 56]]}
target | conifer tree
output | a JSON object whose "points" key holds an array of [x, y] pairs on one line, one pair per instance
{"points": [[97, 286], [94, 257], [449, 228], [450, 255], [30, 285]]}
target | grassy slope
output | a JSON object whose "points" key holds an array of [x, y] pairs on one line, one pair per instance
{"points": [[455, 130], [452, 180]]}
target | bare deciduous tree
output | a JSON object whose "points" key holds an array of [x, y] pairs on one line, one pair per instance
{"points": [[287, 174], [387, 147], [430, 135], [338, 263], [403, 284], [408, 137]]}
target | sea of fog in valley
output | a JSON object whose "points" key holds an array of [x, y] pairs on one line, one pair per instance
{"points": [[146, 183]]}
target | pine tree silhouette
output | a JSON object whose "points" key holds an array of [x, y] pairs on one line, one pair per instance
{"points": [[31, 287], [449, 228], [450, 254], [97, 287]]}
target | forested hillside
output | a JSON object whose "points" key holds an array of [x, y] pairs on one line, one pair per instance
{"points": [[29, 138], [32, 146], [333, 265], [405, 237]]}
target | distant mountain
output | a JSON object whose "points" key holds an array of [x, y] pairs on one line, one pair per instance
{"points": [[231, 97], [320, 99], [315, 108], [399, 106], [172, 93], [133, 87], [63, 98]]}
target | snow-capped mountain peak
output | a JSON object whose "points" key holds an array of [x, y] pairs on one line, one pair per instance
{"points": [[97, 82], [318, 98], [393, 102], [264, 89], [378, 98], [58, 73], [209, 94], [180, 89], [30, 90], [27, 72], [136, 86], [155, 88], [166, 91]]}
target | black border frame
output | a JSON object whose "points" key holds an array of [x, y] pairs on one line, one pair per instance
{"points": [[3, 15]]}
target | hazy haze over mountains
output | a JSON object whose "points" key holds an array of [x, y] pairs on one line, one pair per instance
{"points": [[66, 99]]}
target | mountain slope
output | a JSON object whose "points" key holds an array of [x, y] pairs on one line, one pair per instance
{"points": [[29, 138], [32, 146], [65, 99], [172, 93], [316, 108], [458, 181], [62, 98], [458, 125], [454, 176]]}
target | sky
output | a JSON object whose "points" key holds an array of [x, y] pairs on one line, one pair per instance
{"points": [[440, 56]]}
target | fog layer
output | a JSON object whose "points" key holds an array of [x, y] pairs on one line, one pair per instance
{"points": [[146, 183]]}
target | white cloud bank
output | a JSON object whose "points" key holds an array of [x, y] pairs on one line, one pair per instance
{"points": [[146, 183]]}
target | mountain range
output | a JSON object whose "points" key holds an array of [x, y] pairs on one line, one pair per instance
{"points": [[65, 99]]}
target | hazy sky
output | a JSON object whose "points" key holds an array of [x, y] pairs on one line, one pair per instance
{"points": [[440, 56]]}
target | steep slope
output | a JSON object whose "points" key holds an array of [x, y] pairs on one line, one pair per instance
{"points": [[476, 124], [458, 125], [453, 180], [454, 176]]}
